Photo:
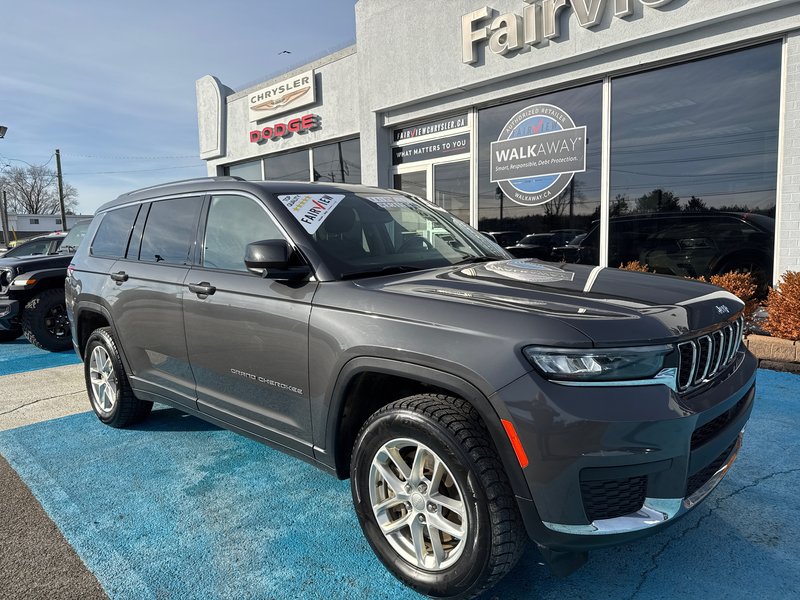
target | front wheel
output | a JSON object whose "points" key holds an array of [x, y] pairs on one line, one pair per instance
{"points": [[45, 322], [433, 499], [109, 390]]}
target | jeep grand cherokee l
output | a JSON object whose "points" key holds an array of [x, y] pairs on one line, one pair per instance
{"points": [[474, 400]]}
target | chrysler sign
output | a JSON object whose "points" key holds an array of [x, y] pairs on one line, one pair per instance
{"points": [[537, 154], [538, 22], [281, 97]]}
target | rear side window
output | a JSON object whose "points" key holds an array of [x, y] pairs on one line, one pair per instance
{"points": [[170, 231], [113, 233]]}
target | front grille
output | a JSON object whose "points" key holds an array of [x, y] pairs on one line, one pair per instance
{"points": [[610, 498], [708, 431], [704, 357], [697, 480]]}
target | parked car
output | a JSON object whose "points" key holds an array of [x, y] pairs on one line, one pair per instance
{"points": [[504, 238], [475, 401], [39, 245], [32, 294], [685, 244], [542, 245]]}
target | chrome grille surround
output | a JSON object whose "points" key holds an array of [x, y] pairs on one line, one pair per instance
{"points": [[702, 358]]}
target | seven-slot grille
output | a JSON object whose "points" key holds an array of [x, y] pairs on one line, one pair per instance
{"points": [[702, 358]]}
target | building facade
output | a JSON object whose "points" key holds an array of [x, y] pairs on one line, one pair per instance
{"points": [[23, 226], [662, 131]]}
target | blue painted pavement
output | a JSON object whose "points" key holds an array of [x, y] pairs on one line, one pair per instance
{"points": [[21, 356], [176, 508]]}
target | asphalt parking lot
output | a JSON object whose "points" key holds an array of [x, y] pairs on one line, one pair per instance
{"points": [[177, 508]]}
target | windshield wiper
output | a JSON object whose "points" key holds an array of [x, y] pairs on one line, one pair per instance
{"points": [[388, 270], [477, 259]]}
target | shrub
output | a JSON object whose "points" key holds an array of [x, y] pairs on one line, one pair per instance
{"points": [[783, 308], [635, 265]]}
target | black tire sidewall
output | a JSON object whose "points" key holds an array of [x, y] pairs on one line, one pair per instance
{"points": [[467, 573], [33, 321], [101, 337]]}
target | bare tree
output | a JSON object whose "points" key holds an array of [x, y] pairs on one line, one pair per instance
{"points": [[34, 190]]}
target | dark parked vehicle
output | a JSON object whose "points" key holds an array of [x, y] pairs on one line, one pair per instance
{"points": [[32, 295], [685, 244], [542, 245], [42, 244], [504, 238], [474, 400]]}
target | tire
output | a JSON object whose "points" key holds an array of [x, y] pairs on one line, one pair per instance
{"points": [[45, 322], [110, 393], [9, 335], [460, 467]]}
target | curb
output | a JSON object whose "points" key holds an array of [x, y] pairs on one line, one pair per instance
{"points": [[774, 353]]}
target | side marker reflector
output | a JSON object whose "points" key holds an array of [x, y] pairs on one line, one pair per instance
{"points": [[515, 443]]}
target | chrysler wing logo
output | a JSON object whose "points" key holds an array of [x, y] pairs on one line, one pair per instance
{"points": [[722, 309], [281, 101]]}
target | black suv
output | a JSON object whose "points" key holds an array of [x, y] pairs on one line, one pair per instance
{"points": [[474, 400], [32, 295]]}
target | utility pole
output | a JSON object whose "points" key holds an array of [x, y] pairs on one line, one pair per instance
{"points": [[61, 191], [5, 219]]}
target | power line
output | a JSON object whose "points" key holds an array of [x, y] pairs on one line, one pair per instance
{"points": [[121, 157], [131, 170]]}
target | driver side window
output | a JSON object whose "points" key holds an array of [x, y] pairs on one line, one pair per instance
{"points": [[233, 222]]}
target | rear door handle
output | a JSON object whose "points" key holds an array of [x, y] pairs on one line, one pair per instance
{"points": [[119, 277], [202, 289]]}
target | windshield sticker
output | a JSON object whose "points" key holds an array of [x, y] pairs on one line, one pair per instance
{"points": [[311, 210], [530, 272], [391, 201]]}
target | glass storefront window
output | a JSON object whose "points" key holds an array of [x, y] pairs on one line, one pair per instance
{"points": [[573, 205], [339, 162], [413, 182], [292, 166], [451, 188], [249, 170], [694, 165]]}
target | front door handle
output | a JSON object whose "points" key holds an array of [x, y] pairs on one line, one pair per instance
{"points": [[119, 277], [202, 289]]}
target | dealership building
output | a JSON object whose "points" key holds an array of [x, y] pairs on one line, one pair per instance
{"points": [[667, 131]]}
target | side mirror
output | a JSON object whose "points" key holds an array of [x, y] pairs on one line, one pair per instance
{"points": [[271, 259]]}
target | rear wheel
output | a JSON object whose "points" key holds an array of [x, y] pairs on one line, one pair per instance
{"points": [[109, 390], [45, 322], [433, 499]]}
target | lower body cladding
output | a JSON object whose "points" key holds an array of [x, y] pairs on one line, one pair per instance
{"points": [[611, 464], [9, 310]]}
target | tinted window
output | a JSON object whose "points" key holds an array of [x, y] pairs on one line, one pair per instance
{"points": [[543, 204], [249, 170], [234, 222], [689, 142], [292, 166], [339, 162], [30, 248], [170, 231], [113, 233]]}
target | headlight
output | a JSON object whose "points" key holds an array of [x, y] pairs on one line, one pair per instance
{"points": [[612, 364]]}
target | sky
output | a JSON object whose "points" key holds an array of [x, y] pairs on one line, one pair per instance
{"points": [[112, 84]]}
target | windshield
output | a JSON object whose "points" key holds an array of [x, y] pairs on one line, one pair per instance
{"points": [[361, 235], [74, 238]]}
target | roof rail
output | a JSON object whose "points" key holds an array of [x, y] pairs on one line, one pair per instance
{"points": [[194, 179]]}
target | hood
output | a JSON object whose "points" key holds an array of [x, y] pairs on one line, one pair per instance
{"points": [[23, 264], [609, 306]]}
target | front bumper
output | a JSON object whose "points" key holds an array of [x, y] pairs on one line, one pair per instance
{"points": [[9, 312], [610, 464]]}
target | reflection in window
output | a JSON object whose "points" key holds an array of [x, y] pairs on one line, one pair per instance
{"points": [[292, 166], [339, 162], [451, 188], [693, 161], [112, 235], [234, 222], [250, 171], [170, 231], [415, 182], [578, 205]]}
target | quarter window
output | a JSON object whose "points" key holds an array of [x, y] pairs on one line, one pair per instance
{"points": [[113, 233], [233, 222], [170, 231]]}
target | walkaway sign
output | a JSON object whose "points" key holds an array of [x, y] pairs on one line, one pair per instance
{"points": [[537, 154]]}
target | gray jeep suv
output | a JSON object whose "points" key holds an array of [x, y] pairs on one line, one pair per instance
{"points": [[475, 400]]}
